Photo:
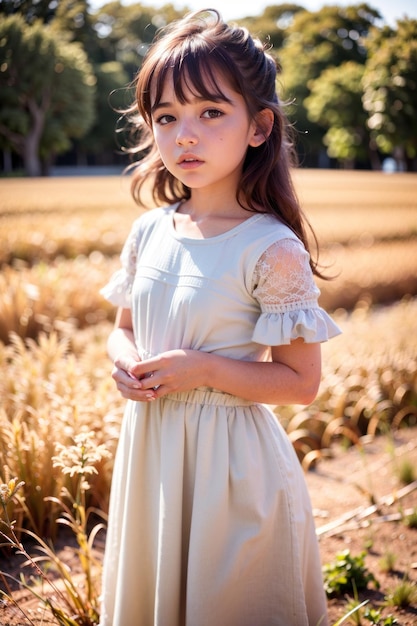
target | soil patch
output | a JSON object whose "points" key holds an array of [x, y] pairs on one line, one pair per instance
{"points": [[360, 505]]}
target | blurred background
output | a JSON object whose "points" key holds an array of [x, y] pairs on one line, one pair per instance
{"points": [[348, 73]]}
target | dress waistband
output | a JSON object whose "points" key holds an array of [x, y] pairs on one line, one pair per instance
{"points": [[206, 395]]}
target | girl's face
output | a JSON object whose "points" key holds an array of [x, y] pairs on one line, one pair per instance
{"points": [[202, 142]]}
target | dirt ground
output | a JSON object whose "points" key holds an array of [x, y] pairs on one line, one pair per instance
{"points": [[359, 504]]}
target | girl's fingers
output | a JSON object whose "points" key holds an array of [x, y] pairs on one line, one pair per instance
{"points": [[138, 395]]}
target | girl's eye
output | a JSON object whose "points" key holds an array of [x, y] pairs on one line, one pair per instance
{"points": [[212, 114], [165, 119]]}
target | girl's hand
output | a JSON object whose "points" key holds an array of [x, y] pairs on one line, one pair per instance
{"points": [[169, 372], [127, 382]]}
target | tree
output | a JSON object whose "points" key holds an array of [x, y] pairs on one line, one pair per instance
{"points": [[125, 31], [316, 41], [112, 96], [335, 104], [390, 91], [72, 18], [47, 88], [122, 35]]}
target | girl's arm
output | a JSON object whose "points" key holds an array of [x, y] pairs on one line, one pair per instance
{"points": [[122, 351], [292, 377], [121, 340]]}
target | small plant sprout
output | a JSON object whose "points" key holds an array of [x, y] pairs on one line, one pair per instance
{"points": [[410, 520], [355, 607], [387, 561], [347, 573], [359, 611], [406, 472], [350, 613], [404, 594], [374, 617]]}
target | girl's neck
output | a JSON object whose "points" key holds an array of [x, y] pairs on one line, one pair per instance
{"points": [[201, 218], [205, 204]]}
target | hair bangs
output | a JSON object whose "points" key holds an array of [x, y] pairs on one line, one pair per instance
{"points": [[194, 71]]}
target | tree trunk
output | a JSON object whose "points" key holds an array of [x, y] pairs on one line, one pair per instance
{"points": [[374, 157], [7, 161], [31, 157]]}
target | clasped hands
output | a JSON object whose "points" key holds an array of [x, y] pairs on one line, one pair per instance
{"points": [[169, 372]]}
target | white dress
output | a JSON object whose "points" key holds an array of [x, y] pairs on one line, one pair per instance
{"points": [[210, 522]]}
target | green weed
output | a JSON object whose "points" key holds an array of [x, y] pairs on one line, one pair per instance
{"points": [[411, 519], [406, 472], [347, 573], [402, 595], [387, 561]]}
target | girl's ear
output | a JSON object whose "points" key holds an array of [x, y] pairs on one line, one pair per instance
{"points": [[264, 122]]}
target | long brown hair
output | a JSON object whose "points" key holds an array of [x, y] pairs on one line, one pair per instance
{"points": [[190, 52]]}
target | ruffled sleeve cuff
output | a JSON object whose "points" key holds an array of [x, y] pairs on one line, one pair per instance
{"points": [[118, 290], [276, 329]]}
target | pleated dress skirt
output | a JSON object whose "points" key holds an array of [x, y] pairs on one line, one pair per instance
{"points": [[210, 521]]}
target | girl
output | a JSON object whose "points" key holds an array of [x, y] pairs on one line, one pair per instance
{"points": [[210, 523]]}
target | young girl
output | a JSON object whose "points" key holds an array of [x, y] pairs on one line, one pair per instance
{"points": [[210, 523]]}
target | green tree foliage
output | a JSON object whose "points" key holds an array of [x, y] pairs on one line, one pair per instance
{"points": [[112, 97], [125, 31], [335, 103], [122, 34], [390, 90], [272, 24], [316, 41], [47, 89], [339, 68], [72, 18]]}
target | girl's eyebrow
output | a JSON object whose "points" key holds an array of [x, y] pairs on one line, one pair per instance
{"points": [[194, 100], [160, 105]]}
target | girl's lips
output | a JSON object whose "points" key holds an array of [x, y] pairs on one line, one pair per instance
{"points": [[189, 163]]}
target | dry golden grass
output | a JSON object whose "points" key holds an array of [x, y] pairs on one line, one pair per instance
{"points": [[348, 206], [50, 393], [38, 237], [369, 381], [61, 296], [60, 239], [378, 273], [41, 218], [43, 195]]}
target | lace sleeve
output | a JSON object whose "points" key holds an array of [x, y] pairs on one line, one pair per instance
{"points": [[118, 289], [283, 284], [283, 279]]}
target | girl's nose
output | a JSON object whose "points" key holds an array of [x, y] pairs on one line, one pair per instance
{"points": [[186, 135]]}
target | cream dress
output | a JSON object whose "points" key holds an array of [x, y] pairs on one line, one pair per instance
{"points": [[210, 522]]}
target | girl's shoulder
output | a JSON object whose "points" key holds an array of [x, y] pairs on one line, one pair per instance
{"points": [[152, 216], [273, 225], [266, 229], [149, 219], [267, 235]]}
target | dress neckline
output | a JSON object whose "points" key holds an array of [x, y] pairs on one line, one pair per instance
{"points": [[231, 232]]}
